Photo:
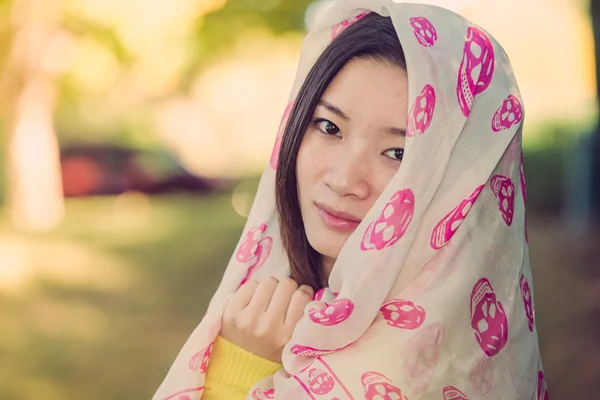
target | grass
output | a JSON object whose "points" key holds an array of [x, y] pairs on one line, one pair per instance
{"points": [[101, 305]]}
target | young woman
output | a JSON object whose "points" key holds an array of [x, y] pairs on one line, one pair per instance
{"points": [[396, 193]]}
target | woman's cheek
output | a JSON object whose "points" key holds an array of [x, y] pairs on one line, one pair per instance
{"points": [[383, 175]]}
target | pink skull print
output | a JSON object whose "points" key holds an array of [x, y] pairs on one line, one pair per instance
{"points": [[476, 68], [542, 389], [421, 113], [523, 193], [185, 394], [452, 393], [482, 376], [504, 190], [199, 361], [446, 228], [393, 222], [421, 355], [527, 301], [424, 31], [337, 29], [334, 314], [522, 178], [260, 394], [319, 381], [509, 114], [379, 387], [403, 314], [307, 351], [254, 250], [488, 318]]}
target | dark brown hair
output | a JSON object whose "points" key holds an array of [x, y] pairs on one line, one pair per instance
{"points": [[372, 37]]}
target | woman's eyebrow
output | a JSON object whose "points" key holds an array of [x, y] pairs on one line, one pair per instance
{"points": [[333, 109], [396, 131]]}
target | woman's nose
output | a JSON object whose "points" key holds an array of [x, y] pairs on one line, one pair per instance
{"points": [[348, 173]]}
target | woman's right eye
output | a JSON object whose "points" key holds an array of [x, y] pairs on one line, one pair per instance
{"points": [[327, 127]]}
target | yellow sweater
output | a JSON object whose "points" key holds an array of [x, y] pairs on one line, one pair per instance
{"points": [[232, 371]]}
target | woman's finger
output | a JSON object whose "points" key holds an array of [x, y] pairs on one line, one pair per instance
{"points": [[281, 300], [241, 299], [262, 295], [300, 299]]}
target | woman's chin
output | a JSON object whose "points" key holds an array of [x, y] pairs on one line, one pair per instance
{"points": [[330, 244]]}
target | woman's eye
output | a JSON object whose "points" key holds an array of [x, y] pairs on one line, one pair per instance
{"points": [[395, 154], [327, 127]]}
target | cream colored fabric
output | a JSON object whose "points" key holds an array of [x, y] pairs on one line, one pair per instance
{"points": [[435, 288]]}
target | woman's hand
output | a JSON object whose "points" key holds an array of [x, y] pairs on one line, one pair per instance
{"points": [[261, 317]]}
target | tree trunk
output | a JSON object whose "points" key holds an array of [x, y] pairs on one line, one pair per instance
{"points": [[35, 200]]}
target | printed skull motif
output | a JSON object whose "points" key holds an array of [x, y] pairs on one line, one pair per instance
{"points": [[183, 394], [452, 393], [379, 387], [393, 222], [445, 229], [199, 361], [307, 351], [334, 314], [421, 113], [424, 31], [542, 389], [476, 68], [260, 394], [319, 294], [509, 114], [488, 318], [254, 250], [482, 376], [338, 28], [527, 301], [524, 193], [421, 355], [403, 314], [504, 190], [522, 176], [282, 125], [320, 382]]}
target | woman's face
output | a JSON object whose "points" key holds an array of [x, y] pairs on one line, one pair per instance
{"points": [[351, 150]]}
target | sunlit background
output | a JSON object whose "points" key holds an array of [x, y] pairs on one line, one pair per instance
{"points": [[133, 133]]}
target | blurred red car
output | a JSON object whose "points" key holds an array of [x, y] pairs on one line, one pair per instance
{"points": [[94, 170]]}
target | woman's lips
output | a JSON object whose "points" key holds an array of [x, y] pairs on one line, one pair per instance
{"points": [[336, 221]]}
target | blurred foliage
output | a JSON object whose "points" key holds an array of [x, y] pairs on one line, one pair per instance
{"points": [[207, 37], [217, 32], [545, 174]]}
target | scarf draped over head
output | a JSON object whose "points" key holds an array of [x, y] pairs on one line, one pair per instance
{"points": [[431, 297]]}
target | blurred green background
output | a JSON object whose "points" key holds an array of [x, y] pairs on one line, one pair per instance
{"points": [[132, 136]]}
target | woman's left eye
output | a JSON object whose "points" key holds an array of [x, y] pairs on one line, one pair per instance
{"points": [[327, 127], [395, 154]]}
